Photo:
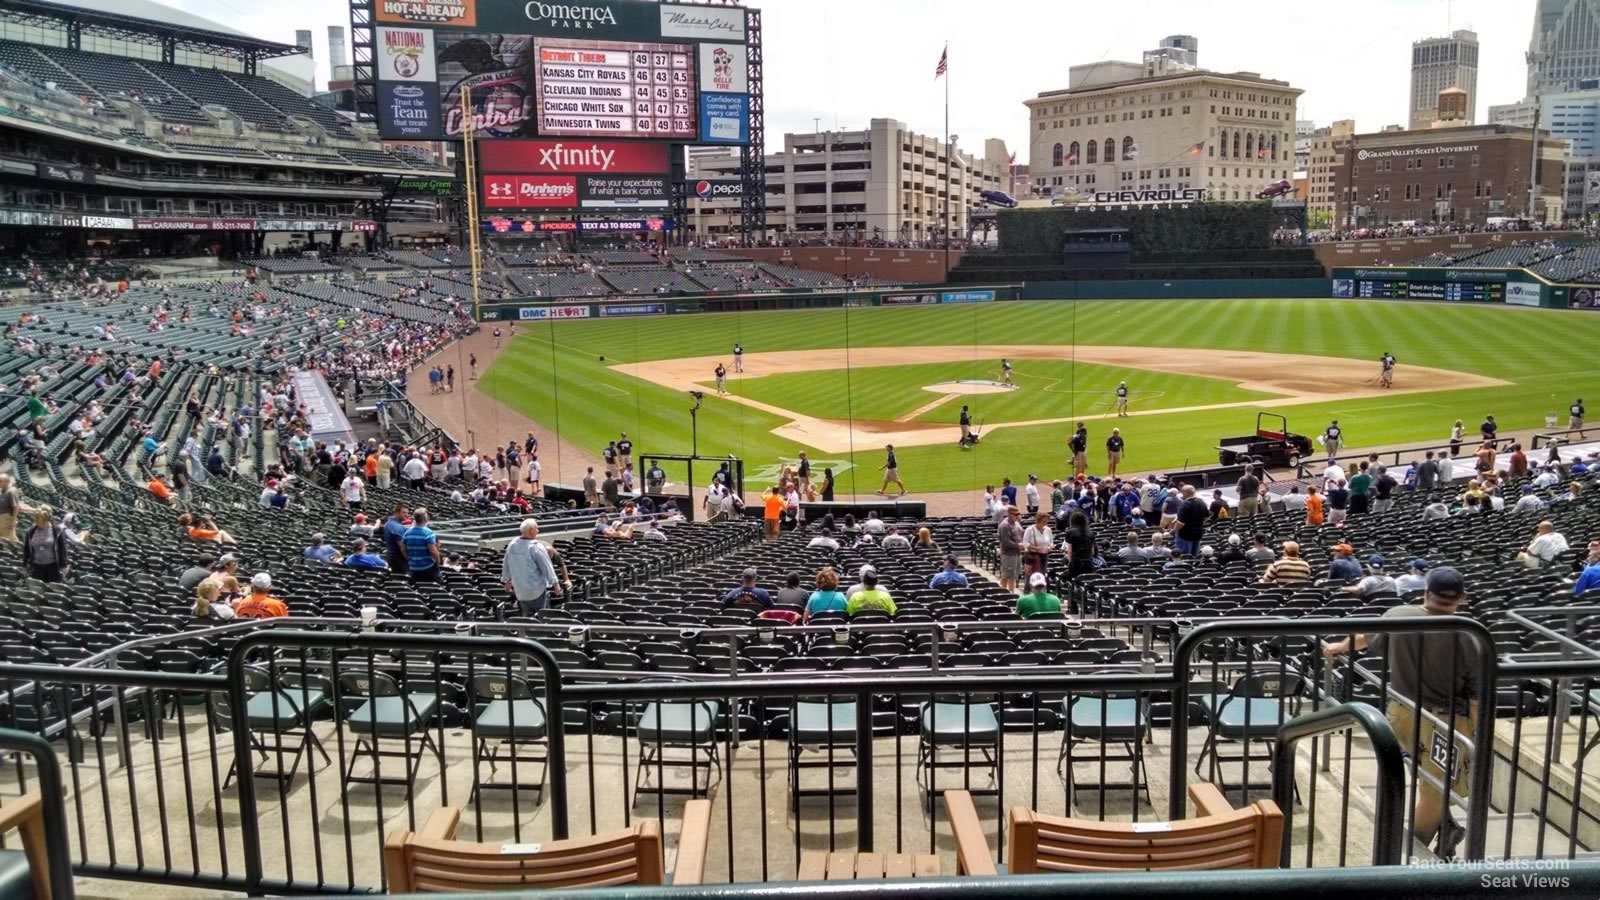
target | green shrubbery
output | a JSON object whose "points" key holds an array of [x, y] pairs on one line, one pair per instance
{"points": [[1199, 226]]}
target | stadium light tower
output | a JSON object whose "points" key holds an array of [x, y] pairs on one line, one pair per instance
{"points": [[694, 422]]}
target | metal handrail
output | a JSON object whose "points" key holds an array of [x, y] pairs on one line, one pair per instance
{"points": [[1388, 827]]}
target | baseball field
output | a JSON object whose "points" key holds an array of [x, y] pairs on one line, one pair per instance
{"points": [[841, 383]]}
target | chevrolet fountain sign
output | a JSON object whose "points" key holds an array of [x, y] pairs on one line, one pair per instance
{"points": [[1126, 198]]}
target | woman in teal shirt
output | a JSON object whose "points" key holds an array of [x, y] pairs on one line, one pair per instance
{"points": [[827, 597]]}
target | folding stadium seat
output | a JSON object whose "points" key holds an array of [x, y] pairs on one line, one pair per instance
{"points": [[1250, 713], [1105, 717], [279, 711], [508, 713], [966, 730], [685, 725], [377, 709]]}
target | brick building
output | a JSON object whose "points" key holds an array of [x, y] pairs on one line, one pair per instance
{"points": [[1464, 174]]}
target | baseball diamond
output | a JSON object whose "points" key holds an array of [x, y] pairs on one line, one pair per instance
{"points": [[844, 382]]}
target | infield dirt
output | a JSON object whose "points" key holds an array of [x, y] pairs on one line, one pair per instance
{"points": [[1295, 378]]}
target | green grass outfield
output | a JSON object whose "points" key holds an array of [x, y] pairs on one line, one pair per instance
{"points": [[552, 373], [1047, 388]]}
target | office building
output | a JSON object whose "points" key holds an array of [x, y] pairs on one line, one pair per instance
{"points": [[1465, 175], [884, 181], [1322, 167], [1565, 46], [1228, 133], [1572, 116], [1303, 131], [1440, 63]]}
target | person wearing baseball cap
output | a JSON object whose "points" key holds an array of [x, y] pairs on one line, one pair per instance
{"points": [[1414, 580], [1378, 582], [259, 603], [747, 593], [1440, 674], [1038, 601], [1343, 565]]}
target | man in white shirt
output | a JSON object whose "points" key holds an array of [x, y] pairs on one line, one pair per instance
{"points": [[1414, 580], [534, 470], [1546, 545], [1031, 492], [415, 472], [1332, 475], [894, 540], [1547, 479], [1294, 502], [858, 587], [354, 489], [1376, 582], [873, 524]]}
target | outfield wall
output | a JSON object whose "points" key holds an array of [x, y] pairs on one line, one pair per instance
{"points": [[1186, 289]]}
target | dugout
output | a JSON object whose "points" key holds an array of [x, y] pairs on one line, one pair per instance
{"points": [[1095, 248]]}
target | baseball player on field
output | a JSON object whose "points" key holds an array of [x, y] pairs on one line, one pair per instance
{"points": [[738, 359], [1333, 439], [1575, 417], [1122, 400], [722, 378], [1005, 372]]}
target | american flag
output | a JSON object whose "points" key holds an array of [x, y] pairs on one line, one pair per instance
{"points": [[1197, 150], [944, 64], [1262, 153]]}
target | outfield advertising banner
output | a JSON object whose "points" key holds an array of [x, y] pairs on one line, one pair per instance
{"points": [[613, 310], [1522, 294], [724, 118], [908, 299], [1587, 297], [966, 297], [553, 312], [572, 157]]}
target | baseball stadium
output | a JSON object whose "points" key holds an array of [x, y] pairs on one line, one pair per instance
{"points": [[469, 453]]}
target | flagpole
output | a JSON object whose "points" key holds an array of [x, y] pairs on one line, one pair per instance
{"points": [[949, 155]]}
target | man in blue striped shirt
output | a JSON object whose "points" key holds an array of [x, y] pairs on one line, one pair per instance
{"points": [[422, 548]]}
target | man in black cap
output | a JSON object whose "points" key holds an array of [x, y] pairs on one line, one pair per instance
{"points": [[1079, 445], [747, 594], [966, 426], [1438, 673]]}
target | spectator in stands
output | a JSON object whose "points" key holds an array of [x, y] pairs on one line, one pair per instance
{"points": [[1078, 542], [1338, 500], [1360, 490], [792, 594], [1343, 565], [1290, 569], [44, 547], [1529, 502], [203, 528], [747, 593], [1485, 457], [321, 551], [385, 469], [361, 528], [1589, 578], [207, 604], [1436, 673], [949, 576], [354, 490], [422, 548], [611, 492], [1414, 580], [394, 530], [1294, 501], [1010, 536], [1232, 551], [825, 538], [1547, 544], [1383, 488], [861, 585], [1377, 582], [1038, 602], [200, 571], [226, 575], [1435, 510], [1426, 473], [361, 558], [415, 472], [1189, 521], [1547, 478], [826, 598], [1037, 541], [1259, 552], [1517, 462], [873, 524], [1131, 552], [1313, 505], [527, 571], [771, 510], [260, 603], [1125, 503], [870, 597], [158, 489], [217, 465], [1175, 561], [1158, 551], [273, 496], [11, 506]]}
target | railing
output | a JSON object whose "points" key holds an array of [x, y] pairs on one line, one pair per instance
{"points": [[1389, 817], [250, 777]]}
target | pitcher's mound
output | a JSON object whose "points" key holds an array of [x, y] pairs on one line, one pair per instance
{"points": [[969, 387]]}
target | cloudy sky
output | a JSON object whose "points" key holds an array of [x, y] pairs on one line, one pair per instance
{"points": [[847, 61]]}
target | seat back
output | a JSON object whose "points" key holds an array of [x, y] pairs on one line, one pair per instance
{"points": [[1248, 838], [431, 860]]}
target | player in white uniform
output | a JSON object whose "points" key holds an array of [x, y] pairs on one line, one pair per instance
{"points": [[1386, 377], [1005, 371], [738, 359]]}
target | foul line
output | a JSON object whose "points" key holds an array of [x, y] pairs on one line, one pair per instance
{"points": [[928, 407]]}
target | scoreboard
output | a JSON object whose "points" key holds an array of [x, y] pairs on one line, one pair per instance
{"points": [[614, 89], [1467, 291]]}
